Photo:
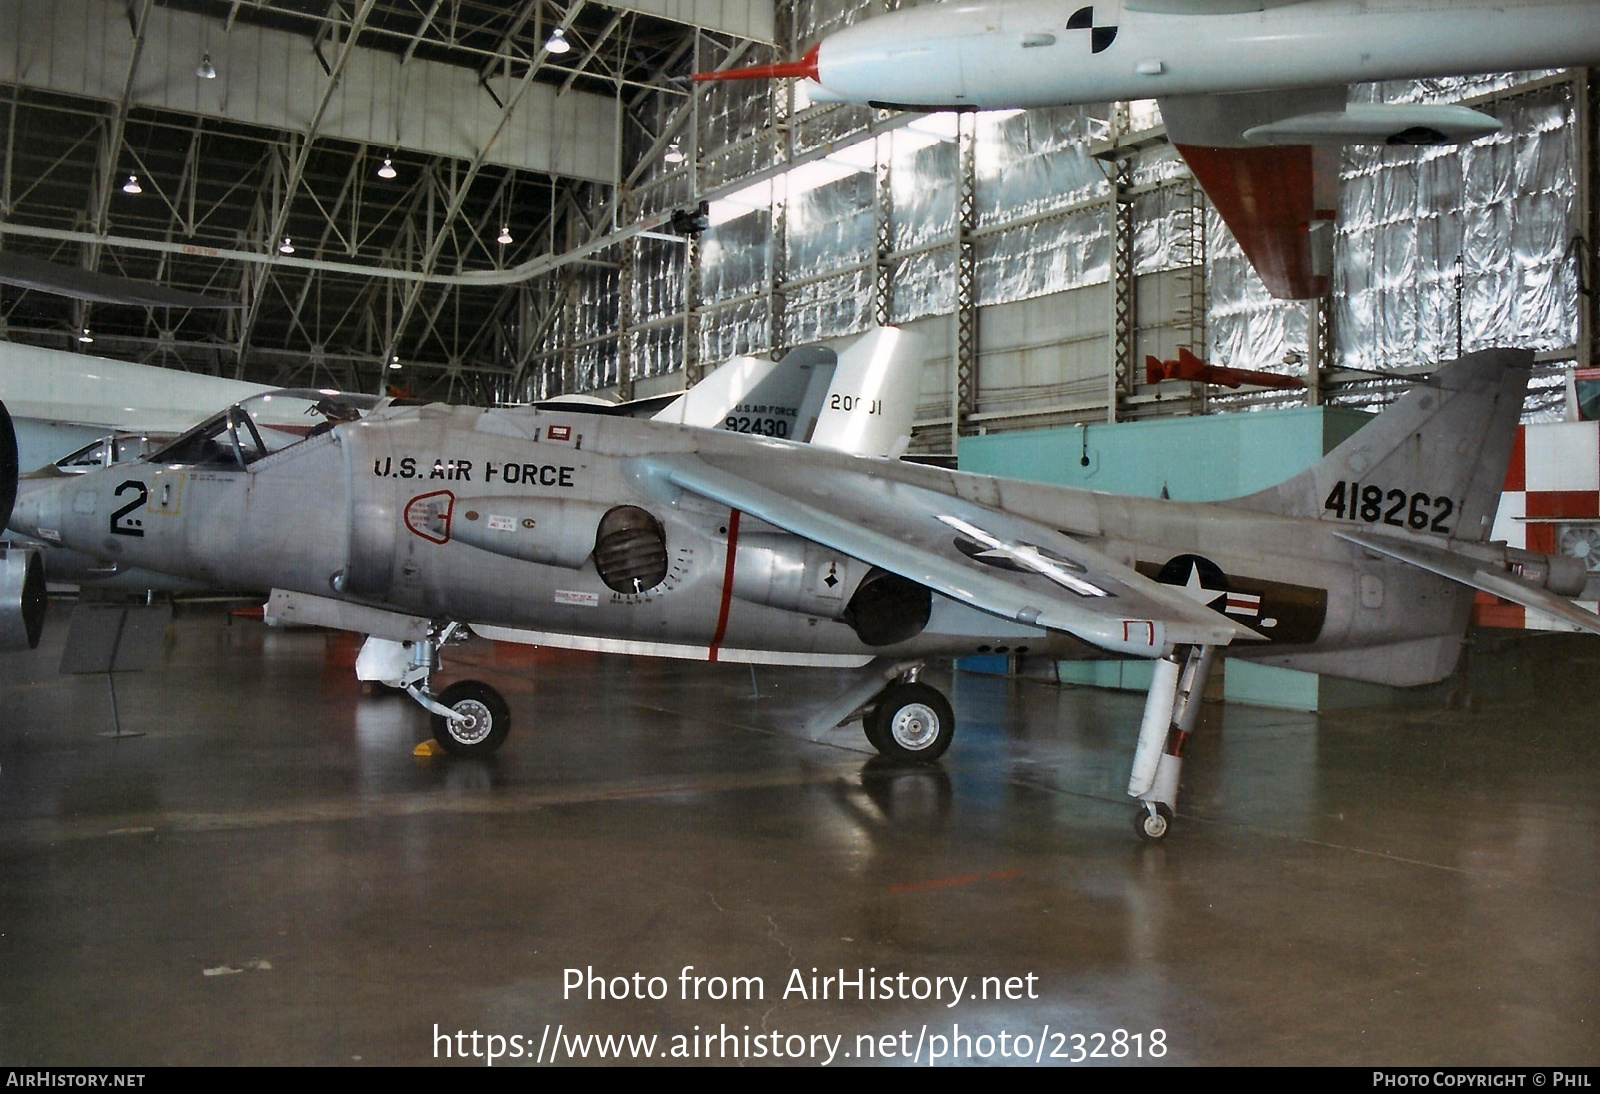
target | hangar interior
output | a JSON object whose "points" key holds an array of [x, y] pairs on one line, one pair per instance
{"points": [[490, 203], [449, 188]]}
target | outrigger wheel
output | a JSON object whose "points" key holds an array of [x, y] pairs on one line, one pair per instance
{"points": [[911, 721], [1152, 820], [485, 719]]}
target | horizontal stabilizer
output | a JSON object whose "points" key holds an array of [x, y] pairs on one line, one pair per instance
{"points": [[1379, 123], [1474, 573]]}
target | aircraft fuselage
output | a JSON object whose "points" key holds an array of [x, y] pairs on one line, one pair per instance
{"points": [[987, 54], [491, 517]]}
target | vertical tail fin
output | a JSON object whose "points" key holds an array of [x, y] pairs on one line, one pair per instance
{"points": [[1434, 462], [872, 402]]}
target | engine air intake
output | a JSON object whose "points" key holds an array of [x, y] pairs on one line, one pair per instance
{"points": [[630, 550]]}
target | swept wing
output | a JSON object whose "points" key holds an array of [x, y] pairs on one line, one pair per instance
{"points": [[994, 561]]}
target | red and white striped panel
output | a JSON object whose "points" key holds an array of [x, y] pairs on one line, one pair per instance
{"points": [[1554, 477]]}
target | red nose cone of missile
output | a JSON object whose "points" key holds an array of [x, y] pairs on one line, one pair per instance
{"points": [[805, 68]]}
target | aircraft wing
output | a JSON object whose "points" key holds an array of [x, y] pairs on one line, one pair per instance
{"points": [[26, 272], [1204, 7], [995, 561], [1478, 575]]}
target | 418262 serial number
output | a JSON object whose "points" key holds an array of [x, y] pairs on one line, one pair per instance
{"points": [[1374, 504]]}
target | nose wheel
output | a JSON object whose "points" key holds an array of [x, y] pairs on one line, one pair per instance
{"points": [[478, 719]]}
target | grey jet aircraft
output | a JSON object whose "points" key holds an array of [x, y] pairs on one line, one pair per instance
{"points": [[647, 537]]}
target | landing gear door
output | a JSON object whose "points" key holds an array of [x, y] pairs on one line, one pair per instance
{"points": [[372, 518]]}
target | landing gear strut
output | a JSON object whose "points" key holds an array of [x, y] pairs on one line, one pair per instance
{"points": [[1170, 713], [470, 718]]}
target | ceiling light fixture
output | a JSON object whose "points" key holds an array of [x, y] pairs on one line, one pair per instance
{"points": [[674, 153], [387, 171], [205, 71], [132, 185], [394, 362], [286, 247], [557, 42], [505, 234], [85, 337]]}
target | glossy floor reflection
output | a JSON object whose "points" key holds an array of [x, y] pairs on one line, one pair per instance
{"points": [[268, 875]]}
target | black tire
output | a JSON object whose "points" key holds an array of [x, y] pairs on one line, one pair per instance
{"points": [[912, 722], [482, 704], [1153, 829], [869, 726]]}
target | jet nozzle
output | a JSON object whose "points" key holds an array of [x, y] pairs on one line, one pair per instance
{"points": [[8, 466], [805, 68]]}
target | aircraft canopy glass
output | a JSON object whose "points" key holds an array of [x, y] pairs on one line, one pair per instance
{"points": [[262, 425]]}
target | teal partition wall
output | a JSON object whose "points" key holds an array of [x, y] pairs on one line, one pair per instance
{"points": [[1191, 459], [1195, 459]]}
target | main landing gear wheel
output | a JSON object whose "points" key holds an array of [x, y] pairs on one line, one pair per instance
{"points": [[911, 722], [1153, 821], [486, 722]]}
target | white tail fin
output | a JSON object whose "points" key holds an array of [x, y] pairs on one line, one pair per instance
{"points": [[754, 395], [1434, 462], [870, 407]]}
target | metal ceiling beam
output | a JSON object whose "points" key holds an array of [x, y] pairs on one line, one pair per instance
{"points": [[119, 125], [459, 196], [589, 55], [427, 21]]}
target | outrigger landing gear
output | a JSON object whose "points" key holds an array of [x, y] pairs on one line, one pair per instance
{"points": [[1170, 713], [470, 718]]}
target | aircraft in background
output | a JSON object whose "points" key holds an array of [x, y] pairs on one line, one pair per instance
{"points": [[61, 402], [1253, 93], [645, 537]]}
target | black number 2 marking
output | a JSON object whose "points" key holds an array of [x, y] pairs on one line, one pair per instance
{"points": [[122, 523]]}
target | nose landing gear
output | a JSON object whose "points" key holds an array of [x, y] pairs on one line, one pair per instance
{"points": [[470, 718]]}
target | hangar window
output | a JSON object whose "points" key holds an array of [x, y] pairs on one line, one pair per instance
{"points": [[262, 425], [630, 550]]}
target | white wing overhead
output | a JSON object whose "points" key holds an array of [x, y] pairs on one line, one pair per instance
{"points": [[994, 561], [1204, 7]]}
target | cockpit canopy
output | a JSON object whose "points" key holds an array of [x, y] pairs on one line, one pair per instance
{"points": [[262, 425], [114, 449]]}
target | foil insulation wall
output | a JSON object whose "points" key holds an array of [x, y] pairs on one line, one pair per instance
{"points": [[1434, 247]]}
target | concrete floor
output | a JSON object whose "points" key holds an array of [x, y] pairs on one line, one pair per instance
{"points": [[270, 876]]}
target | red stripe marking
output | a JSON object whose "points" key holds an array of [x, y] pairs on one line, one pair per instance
{"points": [[1517, 472], [727, 583], [948, 882], [1491, 611], [1563, 503]]}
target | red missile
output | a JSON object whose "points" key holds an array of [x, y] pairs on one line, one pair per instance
{"points": [[805, 68], [1190, 367]]}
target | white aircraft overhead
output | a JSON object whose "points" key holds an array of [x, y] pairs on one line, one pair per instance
{"points": [[62, 401], [1253, 92]]}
